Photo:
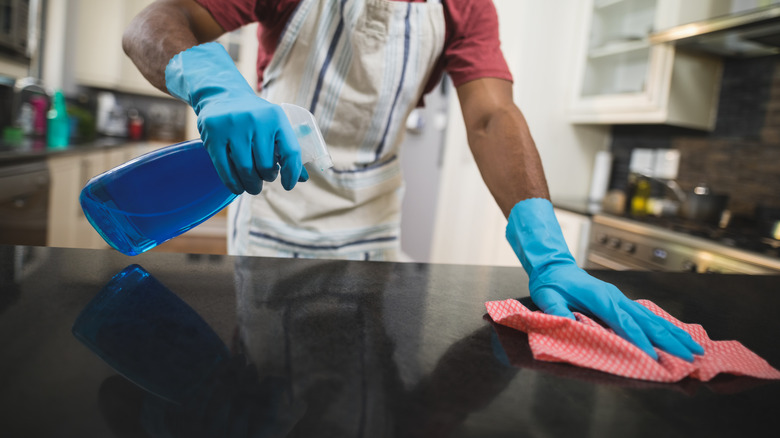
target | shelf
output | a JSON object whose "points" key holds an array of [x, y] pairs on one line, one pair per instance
{"points": [[618, 48]]}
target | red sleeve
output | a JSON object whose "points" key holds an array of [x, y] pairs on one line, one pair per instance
{"points": [[272, 16], [473, 49], [232, 14]]}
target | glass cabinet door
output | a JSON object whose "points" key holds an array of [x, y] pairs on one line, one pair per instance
{"points": [[618, 54], [622, 78]]}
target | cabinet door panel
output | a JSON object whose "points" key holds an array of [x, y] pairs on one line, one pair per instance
{"points": [[622, 78], [67, 225], [63, 203], [575, 229], [100, 60], [131, 80], [99, 43]]}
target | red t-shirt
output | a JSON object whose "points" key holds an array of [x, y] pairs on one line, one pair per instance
{"points": [[471, 45]]}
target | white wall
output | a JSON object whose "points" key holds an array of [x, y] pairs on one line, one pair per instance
{"points": [[540, 42]]}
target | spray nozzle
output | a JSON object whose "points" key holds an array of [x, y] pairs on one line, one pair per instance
{"points": [[313, 149]]}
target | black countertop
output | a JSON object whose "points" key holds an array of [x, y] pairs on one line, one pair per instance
{"points": [[284, 347]]}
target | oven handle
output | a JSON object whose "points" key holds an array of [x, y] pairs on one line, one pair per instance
{"points": [[611, 264]]}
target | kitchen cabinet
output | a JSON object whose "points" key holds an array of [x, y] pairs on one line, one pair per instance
{"points": [[622, 78], [576, 232], [99, 59], [101, 62]]}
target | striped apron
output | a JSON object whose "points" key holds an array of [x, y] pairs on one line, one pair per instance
{"points": [[360, 66]]}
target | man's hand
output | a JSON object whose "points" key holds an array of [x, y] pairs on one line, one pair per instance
{"points": [[248, 138], [558, 286]]}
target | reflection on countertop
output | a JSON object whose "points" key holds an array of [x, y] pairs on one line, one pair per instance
{"points": [[339, 348]]}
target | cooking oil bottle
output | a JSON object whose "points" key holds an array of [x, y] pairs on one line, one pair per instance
{"points": [[639, 201]]}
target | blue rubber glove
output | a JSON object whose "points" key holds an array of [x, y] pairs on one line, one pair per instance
{"points": [[559, 286], [248, 138]]}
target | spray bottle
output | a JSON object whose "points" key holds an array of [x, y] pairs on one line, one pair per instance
{"points": [[160, 195]]}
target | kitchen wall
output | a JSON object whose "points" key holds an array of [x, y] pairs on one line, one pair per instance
{"points": [[540, 41], [740, 157]]}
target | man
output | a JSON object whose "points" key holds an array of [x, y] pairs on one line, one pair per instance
{"points": [[360, 66]]}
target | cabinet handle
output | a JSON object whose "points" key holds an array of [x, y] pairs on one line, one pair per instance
{"points": [[84, 176], [84, 172]]}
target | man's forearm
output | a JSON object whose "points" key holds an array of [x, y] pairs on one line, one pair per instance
{"points": [[501, 143], [164, 29]]}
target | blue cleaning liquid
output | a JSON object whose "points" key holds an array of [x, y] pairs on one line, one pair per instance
{"points": [[154, 197]]}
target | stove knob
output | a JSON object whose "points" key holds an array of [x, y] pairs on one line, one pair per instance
{"points": [[689, 266], [614, 243], [629, 247], [601, 238]]}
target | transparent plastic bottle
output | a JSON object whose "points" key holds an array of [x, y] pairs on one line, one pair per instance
{"points": [[160, 195]]}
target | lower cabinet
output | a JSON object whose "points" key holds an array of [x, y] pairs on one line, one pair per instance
{"points": [[576, 232], [68, 227]]}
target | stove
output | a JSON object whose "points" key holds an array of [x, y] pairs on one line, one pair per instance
{"points": [[670, 244]]}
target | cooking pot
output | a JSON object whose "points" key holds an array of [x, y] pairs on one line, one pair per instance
{"points": [[768, 219], [702, 205]]}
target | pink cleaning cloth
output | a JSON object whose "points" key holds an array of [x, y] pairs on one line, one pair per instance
{"points": [[586, 343]]}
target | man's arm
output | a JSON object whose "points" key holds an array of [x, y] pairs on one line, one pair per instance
{"points": [[509, 162], [163, 29], [501, 142], [248, 139]]}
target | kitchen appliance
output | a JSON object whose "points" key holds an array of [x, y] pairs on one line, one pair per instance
{"points": [[742, 33], [701, 204], [19, 26], [24, 202], [769, 222], [675, 244], [7, 96], [111, 117]]}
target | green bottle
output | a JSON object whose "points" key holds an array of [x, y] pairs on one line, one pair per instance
{"points": [[58, 126]]}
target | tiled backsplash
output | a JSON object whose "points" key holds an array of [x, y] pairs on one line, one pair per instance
{"points": [[740, 157]]}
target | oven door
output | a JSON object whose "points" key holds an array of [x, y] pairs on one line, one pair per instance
{"points": [[619, 244], [595, 260], [24, 203]]}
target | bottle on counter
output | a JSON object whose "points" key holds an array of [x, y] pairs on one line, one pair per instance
{"points": [[641, 197], [39, 105], [158, 196], [58, 126], [135, 125]]}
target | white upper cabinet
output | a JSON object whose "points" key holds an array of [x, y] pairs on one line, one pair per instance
{"points": [[99, 58], [622, 78]]}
